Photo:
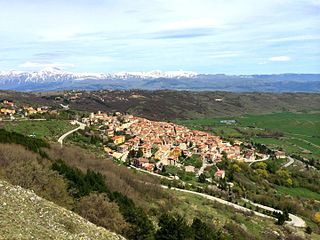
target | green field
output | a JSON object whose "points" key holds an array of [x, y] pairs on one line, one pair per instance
{"points": [[48, 129], [298, 192], [297, 133]]}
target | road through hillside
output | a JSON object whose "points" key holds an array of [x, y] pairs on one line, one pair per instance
{"points": [[81, 126]]}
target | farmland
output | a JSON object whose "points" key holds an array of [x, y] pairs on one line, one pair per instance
{"points": [[298, 192], [48, 129], [295, 133]]}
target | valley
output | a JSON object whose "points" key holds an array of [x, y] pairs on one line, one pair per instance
{"points": [[222, 163]]}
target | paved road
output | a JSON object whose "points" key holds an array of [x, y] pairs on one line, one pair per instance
{"points": [[295, 220], [24, 120], [151, 173], [291, 161], [255, 161], [219, 200], [81, 126]]}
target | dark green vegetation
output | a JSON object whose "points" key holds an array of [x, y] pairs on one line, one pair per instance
{"points": [[169, 105], [295, 133], [30, 143], [83, 184], [171, 227]]}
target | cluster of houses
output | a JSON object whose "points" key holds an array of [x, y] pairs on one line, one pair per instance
{"points": [[10, 109], [162, 143]]}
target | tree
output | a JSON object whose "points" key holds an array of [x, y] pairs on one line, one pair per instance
{"points": [[308, 230], [222, 184], [282, 217], [131, 154], [202, 231], [261, 165], [202, 178], [98, 209], [317, 217], [139, 153], [173, 228], [41, 179]]}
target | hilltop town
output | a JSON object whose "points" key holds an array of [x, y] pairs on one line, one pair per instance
{"points": [[154, 145]]}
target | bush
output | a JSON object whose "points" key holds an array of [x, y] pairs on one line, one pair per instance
{"points": [[98, 209], [308, 230]]}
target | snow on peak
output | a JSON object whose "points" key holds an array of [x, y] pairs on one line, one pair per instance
{"points": [[156, 74]]}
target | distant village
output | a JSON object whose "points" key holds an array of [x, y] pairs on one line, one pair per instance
{"points": [[9, 110], [152, 145]]}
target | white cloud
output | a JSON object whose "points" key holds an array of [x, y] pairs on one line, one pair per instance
{"points": [[296, 38], [191, 24], [29, 64], [280, 59], [225, 55]]}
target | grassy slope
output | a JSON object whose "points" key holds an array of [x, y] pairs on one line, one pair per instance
{"points": [[298, 192], [24, 215], [49, 129]]}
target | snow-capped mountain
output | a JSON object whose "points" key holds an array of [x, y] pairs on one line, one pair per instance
{"points": [[51, 79], [157, 74], [51, 73], [54, 78]]}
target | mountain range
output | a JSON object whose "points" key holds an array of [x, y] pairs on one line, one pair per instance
{"points": [[54, 79]]}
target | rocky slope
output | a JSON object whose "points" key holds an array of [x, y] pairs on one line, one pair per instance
{"points": [[24, 215]]}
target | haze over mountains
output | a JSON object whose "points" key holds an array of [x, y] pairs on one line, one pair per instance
{"points": [[51, 79]]}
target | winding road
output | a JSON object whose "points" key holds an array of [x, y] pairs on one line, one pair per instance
{"points": [[291, 161], [151, 173], [295, 220], [81, 126], [255, 161]]}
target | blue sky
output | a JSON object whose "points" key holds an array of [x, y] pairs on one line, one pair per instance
{"points": [[206, 36]]}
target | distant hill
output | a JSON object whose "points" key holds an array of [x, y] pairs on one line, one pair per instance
{"points": [[24, 215], [169, 105], [54, 79]]}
